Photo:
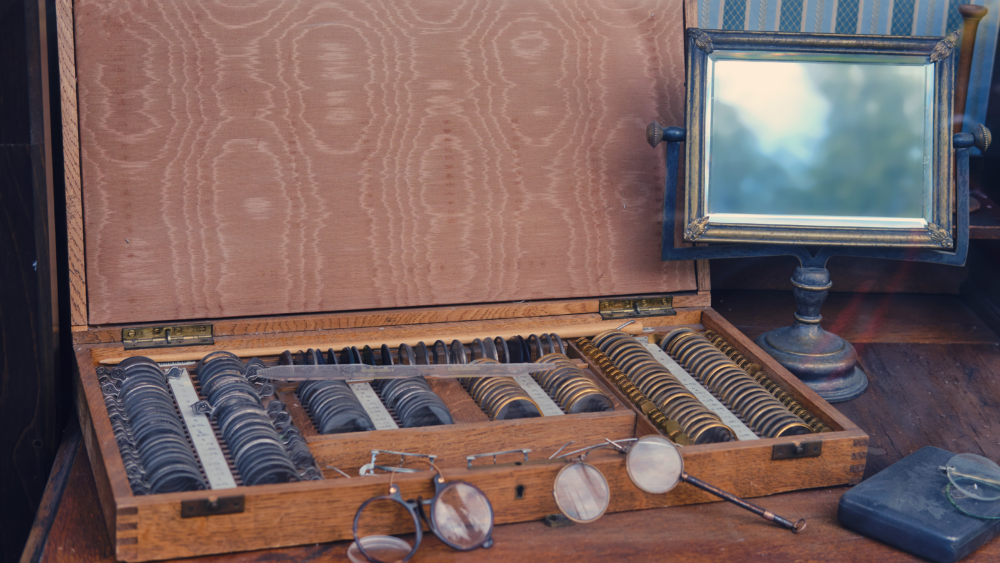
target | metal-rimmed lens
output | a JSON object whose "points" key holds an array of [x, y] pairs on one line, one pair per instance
{"points": [[974, 476], [462, 516], [375, 518], [581, 492], [654, 464]]}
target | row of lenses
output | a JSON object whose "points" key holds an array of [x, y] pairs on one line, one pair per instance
{"points": [[254, 443], [155, 449], [759, 409], [669, 427], [123, 433], [333, 406], [757, 372], [412, 399], [501, 397], [573, 391], [296, 446], [665, 391]]}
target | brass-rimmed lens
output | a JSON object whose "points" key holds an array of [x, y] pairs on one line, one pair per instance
{"points": [[478, 386], [654, 464], [553, 357], [709, 358], [597, 340], [379, 516], [779, 421], [581, 492], [573, 396], [462, 516], [735, 385], [667, 398], [516, 407], [497, 394], [684, 341], [593, 401], [764, 416], [645, 365], [713, 432], [713, 373], [571, 387], [792, 428], [691, 354], [603, 342], [674, 337]]}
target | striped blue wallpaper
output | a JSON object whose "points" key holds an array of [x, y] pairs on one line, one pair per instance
{"points": [[880, 17]]}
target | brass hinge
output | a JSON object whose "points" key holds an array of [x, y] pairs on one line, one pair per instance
{"points": [[637, 307], [166, 336]]}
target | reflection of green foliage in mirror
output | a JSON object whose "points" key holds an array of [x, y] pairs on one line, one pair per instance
{"points": [[867, 162]]}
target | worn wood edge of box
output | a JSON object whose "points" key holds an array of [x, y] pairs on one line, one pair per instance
{"points": [[315, 322], [150, 528], [66, 39], [376, 336]]}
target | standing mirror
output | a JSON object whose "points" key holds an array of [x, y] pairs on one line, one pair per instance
{"points": [[819, 140], [818, 145]]}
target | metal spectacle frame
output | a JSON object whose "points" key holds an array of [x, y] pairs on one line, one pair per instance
{"points": [[415, 508], [469, 459], [580, 490], [655, 465]]}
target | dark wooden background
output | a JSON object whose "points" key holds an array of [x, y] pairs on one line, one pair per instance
{"points": [[34, 390]]}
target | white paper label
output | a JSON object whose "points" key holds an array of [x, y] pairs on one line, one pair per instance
{"points": [[742, 431], [205, 442], [537, 394], [373, 406]]}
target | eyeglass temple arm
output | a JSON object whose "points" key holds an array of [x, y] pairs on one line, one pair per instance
{"points": [[795, 527], [976, 478]]}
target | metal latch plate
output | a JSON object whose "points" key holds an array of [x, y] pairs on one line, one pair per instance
{"points": [[167, 336], [212, 507], [796, 451], [637, 307]]}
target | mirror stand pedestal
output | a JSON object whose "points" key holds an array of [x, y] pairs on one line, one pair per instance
{"points": [[822, 360]]}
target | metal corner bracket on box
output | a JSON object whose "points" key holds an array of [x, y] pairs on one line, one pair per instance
{"points": [[822, 360]]}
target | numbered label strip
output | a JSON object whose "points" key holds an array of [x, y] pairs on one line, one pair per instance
{"points": [[537, 394], [373, 406], [742, 431], [198, 425]]}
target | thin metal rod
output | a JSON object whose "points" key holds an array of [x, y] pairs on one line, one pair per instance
{"points": [[795, 527], [607, 443], [348, 372]]}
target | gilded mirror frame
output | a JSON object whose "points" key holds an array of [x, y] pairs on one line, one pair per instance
{"points": [[938, 228]]}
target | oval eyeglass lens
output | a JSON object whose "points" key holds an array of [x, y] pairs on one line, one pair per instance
{"points": [[375, 523], [581, 492], [463, 516], [654, 464], [975, 477]]}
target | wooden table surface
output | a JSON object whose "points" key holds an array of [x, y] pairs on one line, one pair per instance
{"points": [[934, 369]]}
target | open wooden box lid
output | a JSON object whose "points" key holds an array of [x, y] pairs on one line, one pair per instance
{"points": [[293, 157]]}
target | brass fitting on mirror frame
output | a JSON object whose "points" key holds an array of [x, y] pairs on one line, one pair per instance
{"points": [[757, 372], [671, 428]]}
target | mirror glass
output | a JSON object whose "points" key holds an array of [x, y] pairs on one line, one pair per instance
{"points": [[654, 464], [799, 140]]}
